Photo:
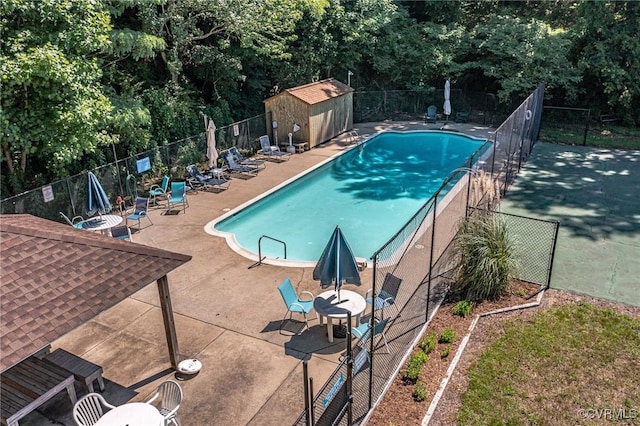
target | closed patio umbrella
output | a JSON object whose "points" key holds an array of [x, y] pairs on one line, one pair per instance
{"points": [[97, 199], [212, 153], [337, 263], [447, 99]]}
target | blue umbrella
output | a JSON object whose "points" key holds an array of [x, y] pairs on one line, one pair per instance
{"points": [[97, 200], [337, 263]]}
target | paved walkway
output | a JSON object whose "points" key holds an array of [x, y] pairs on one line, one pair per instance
{"points": [[227, 316]]}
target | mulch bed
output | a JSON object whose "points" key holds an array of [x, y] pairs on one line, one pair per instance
{"points": [[398, 406]]}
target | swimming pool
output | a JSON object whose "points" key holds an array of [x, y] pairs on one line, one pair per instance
{"points": [[370, 191]]}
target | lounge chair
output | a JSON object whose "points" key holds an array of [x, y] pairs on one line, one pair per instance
{"points": [[140, 211], [72, 222], [178, 195], [233, 166], [362, 332], [197, 180], [463, 116], [387, 295], [431, 115], [272, 152], [159, 190], [294, 303], [240, 159]]}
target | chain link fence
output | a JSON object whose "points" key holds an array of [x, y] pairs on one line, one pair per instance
{"points": [[133, 176], [421, 257], [407, 105]]}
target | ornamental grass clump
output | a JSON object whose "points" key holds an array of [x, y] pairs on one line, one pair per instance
{"points": [[487, 257]]}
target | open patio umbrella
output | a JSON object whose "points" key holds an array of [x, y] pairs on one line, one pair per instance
{"points": [[212, 153], [97, 199], [337, 263], [447, 99]]}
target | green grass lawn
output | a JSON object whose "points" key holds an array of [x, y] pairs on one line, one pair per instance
{"points": [[606, 137], [575, 364]]}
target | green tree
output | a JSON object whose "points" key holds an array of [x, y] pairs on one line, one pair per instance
{"points": [[53, 108], [606, 49], [514, 55]]}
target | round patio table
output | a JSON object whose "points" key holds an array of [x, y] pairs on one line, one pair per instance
{"points": [[132, 414], [102, 223], [327, 305]]}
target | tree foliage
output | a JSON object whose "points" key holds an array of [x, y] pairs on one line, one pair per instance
{"points": [[79, 75], [53, 108]]}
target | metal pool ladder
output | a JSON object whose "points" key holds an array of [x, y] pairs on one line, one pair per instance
{"points": [[260, 257]]}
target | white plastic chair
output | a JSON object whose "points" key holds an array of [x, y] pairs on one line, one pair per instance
{"points": [[169, 394], [88, 410], [76, 219]]}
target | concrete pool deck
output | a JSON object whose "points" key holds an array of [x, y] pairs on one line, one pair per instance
{"points": [[227, 316]]}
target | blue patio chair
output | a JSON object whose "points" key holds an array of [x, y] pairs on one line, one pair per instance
{"points": [[159, 190], [463, 116], [431, 115], [362, 332], [272, 152], [121, 232], [140, 210], [387, 295], [233, 166], [197, 180], [294, 303], [240, 159], [178, 195]]}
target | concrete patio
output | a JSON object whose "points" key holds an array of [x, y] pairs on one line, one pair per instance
{"points": [[227, 316]]}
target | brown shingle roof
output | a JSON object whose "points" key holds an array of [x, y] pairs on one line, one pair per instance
{"points": [[54, 278], [319, 91]]}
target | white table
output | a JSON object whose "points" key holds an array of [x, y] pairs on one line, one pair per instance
{"points": [[132, 414], [326, 305], [102, 223]]}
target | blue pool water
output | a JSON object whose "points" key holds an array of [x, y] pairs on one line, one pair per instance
{"points": [[371, 191]]}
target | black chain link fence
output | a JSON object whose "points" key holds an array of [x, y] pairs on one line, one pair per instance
{"points": [[129, 177], [407, 105]]}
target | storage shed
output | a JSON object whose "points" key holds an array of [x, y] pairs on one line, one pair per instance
{"points": [[322, 110]]}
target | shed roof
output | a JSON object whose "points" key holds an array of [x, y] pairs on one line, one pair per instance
{"points": [[54, 278], [319, 91]]}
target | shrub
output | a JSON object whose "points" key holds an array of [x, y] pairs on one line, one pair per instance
{"points": [[463, 308], [419, 392], [487, 258], [411, 374], [445, 351], [428, 343], [447, 336]]}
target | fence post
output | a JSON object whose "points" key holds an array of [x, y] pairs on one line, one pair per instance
{"points": [[307, 405], [586, 127], [433, 238]]}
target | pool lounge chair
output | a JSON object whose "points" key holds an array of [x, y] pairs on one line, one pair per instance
{"points": [[431, 115], [463, 116], [197, 180], [249, 162], [233, 166], [272, 152]]}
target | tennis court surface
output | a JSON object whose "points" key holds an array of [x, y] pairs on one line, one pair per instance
{"points": [[595, 195]]}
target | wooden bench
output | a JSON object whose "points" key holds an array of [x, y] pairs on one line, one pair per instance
{"points": [[84, 371], [29, 384], [607, 118]]}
